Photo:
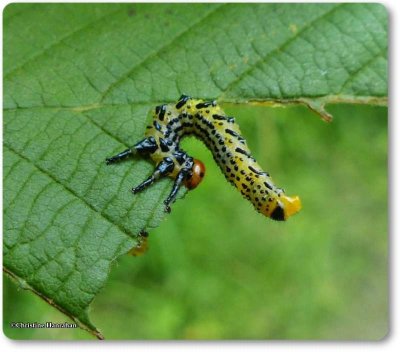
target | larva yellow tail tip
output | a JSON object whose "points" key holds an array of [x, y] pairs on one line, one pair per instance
{"points": [[292, 205]]}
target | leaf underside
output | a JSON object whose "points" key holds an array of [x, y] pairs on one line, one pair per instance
{"points": [[79, 80]]}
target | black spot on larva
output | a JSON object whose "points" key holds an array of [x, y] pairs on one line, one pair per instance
{"points": [[242, 172], [180, 157], [235, 134], [228, 169], [157, 125], [241, 151], [178, 129], [278, 214], [163, 145], [204, 131], [268, 185], [236, 168], [253, 169], [187, 126], [258, 171], [206, 104], [160, 111], [237, 178], [218, 117], [205, 121], [244, 186], [173, 121], [182, 101]]}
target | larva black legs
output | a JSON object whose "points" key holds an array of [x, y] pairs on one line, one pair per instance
{"points": [[145, 146], [183, 174], [163, 169], [119, 156], [177, 185]]}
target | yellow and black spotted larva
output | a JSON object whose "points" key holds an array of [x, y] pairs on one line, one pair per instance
{"points": [[207, 121]]}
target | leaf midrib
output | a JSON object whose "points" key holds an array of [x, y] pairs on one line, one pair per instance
{"points": [[332, 98]]}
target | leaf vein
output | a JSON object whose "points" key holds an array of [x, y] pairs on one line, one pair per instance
{"points": [[278, 49], [72, 192]]}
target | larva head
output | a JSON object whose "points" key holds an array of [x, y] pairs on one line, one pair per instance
{"points": [[198, 172]]}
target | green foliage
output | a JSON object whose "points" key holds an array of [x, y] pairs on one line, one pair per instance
{"points": [[218, 269], [79, 80]]}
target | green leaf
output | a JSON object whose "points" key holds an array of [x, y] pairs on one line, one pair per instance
{"points": [[79, 80]]}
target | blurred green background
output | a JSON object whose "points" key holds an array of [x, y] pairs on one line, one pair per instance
{"points": [[216, 269]]}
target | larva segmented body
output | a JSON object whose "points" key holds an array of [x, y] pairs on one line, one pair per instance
{"points": [[207, 121]]}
